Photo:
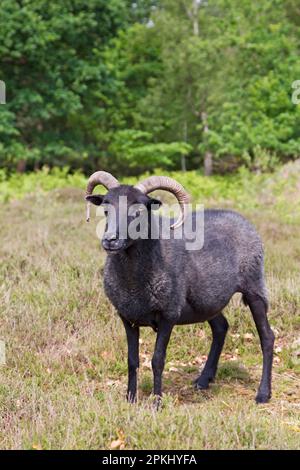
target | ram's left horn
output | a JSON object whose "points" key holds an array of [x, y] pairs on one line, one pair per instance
{"points": [[167, 184]]}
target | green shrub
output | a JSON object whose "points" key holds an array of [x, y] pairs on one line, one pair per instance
{"points": [[243, 190]]}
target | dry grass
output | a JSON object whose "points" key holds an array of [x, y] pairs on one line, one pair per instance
{"points": [[64, 382]]}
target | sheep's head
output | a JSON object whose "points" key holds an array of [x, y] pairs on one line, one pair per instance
{"points": [[123, 204]]}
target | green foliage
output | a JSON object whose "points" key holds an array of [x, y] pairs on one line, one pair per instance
{"points": [[17, 185], [215, 63], [129, 86], [245, 190], [56, 80], [135, 148]]}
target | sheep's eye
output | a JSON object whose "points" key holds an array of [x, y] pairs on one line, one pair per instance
{"points": [[136, 212]]}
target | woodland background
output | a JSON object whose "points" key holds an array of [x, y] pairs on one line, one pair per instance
{"points": [[132, 86]]}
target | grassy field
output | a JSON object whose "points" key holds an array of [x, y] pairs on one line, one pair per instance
{"points": [[64, 381]]}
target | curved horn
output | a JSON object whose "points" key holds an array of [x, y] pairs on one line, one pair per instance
{"points": [[99, 177], [168, 184]]}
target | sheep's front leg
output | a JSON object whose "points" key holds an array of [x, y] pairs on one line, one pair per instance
{"points": [[132, 333], [158, 360]]}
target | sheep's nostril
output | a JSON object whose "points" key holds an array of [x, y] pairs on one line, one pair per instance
{"points": [[111, 243], [110, 237]]}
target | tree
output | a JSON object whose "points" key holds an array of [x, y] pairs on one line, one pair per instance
{"points": [[226, 78], [57, 82], [127, 86]]}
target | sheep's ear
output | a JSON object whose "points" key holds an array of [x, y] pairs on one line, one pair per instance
{"points": [[95, 199], [154, 204]]}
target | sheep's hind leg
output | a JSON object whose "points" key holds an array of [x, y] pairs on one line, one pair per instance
{"points": [[219, 327], [259, 312]]}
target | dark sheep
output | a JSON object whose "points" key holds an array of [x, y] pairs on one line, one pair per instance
{"points": [[159, 283]]}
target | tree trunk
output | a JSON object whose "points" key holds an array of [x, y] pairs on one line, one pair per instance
{"points": [[183, 163], [193, 15], [208, 157], [208, 161], [21, 166], [195, 26], [183, 159]]}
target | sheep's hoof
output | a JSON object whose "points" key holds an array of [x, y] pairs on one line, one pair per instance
{"points": [[157, 402], [131, 398], [262, 397], [202, 383]]}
